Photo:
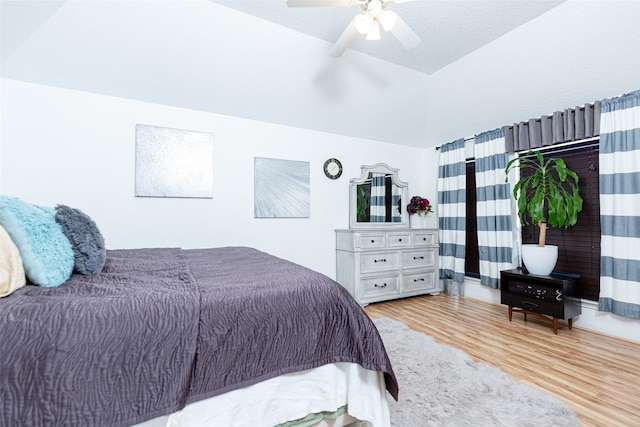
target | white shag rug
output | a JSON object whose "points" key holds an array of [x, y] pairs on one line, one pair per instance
{"points": [[443, 386]]}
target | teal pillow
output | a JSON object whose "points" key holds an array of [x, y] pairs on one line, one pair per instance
{"points": [[46, 253]]}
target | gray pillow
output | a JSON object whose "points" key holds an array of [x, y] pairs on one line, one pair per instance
{"points": [[86, 240]]}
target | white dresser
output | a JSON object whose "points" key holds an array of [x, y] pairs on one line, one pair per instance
{"points": [[382, 264]]}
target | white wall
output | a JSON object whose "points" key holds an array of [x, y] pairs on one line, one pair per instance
{"points": [[77, 148], [578, 52]]}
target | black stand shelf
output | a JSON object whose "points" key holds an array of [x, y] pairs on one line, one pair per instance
{"points": [[556, 296]]}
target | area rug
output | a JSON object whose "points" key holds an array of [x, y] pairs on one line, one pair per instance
{"points": [[443, 386]]}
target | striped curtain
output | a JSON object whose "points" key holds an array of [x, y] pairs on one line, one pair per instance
{"points": [[396, 202], [377, 209], [620, 205], [493, 209], [452, 187]]}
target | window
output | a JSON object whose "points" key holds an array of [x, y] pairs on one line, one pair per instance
{"points": [[472, 256], [578, 246]]}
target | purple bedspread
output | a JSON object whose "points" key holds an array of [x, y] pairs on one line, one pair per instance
{"points": [[159, 328]]}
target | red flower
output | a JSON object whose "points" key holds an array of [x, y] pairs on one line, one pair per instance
{"points": [[419, 205]]}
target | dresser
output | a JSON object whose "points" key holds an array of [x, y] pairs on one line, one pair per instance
{"points": [[383, 264]]}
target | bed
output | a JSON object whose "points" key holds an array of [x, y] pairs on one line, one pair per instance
{"points": [[167, 336]]}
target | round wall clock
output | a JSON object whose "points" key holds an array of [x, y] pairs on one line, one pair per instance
{"points": [[333, 168]]}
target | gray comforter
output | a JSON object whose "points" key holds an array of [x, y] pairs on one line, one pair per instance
{"points": [[159, 328]]}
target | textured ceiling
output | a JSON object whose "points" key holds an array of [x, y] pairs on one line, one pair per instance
{"points": [[449, 29]]}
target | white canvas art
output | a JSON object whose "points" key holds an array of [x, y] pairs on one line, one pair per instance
{"points": [[173, 162], [281, 188]]}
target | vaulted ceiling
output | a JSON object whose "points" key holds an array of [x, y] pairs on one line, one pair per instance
{"points": [[262, 60]]}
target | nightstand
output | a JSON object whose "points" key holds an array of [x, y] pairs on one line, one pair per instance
{"points": [[556, 295]]}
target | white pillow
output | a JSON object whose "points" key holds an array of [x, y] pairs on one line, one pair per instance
{"points": [[12, 275]]}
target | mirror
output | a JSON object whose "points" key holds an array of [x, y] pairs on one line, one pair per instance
{"points": [[378, 198]]}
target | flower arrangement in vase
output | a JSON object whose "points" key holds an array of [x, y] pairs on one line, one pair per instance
{"points": [[418, 209]]}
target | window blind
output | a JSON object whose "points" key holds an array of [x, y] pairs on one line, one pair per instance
{"points": [[579, 245]]}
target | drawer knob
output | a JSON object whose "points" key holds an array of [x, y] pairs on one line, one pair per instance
{"points": [[380, 260], [424, 239], [419, 280], [373, 241], [399, 240], [384, 285], [418, 257]]}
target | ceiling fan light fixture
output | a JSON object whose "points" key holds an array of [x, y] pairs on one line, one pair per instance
{"points": [[374, 33], [373, 14], [388, 19], [364, 23]]}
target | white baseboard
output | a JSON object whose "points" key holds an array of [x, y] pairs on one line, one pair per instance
{"points": [[590, 318]]}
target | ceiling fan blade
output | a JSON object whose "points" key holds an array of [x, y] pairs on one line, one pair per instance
{"points": [[345, 38], [319, 3], [404, 34]]}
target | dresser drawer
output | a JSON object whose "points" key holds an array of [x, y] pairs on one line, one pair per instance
{"points": [[425, 238], [417, 259], [378, 286], [550, 308], [399, 240], [370, 241], [378, 261], [417, 281]]}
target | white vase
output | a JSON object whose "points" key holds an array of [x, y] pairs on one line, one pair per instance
{"points": [[417, 221], [539, 260]]}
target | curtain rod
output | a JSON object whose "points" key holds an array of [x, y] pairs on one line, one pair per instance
{"points": [[465, 140]]}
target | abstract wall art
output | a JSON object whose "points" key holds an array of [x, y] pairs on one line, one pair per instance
{"points": [[281, 188], [173, 162]]}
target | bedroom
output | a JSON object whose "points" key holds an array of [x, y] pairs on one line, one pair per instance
{"points": [[68, 119]]}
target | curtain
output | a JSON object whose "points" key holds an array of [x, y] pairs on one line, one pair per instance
{"points": [[396, 203], [493, 209], [377, 209], [452, 197], [620, 206], [572, 124]]}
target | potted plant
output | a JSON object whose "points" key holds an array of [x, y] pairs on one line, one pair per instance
{"points": [[549, 197], [418, 208]]}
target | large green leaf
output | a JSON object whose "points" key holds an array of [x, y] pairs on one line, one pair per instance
{"points": [[551, 194]]}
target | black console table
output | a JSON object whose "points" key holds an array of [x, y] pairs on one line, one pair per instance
{"points": [[556, 296]]}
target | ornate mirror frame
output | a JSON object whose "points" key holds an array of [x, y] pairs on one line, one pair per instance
{"points": [[403, 189]]}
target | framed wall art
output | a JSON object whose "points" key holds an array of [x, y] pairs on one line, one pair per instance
{"points": [[281, 188], [173, 162]]}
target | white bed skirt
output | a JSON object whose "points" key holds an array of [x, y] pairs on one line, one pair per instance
{"points": [[291, 397]]}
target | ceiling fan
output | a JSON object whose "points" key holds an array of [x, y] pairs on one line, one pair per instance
{"points": [[374, 15]]}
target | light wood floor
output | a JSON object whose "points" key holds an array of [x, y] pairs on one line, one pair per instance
{"points": [[596, 374]]}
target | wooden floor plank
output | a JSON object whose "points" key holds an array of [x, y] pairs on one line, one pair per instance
{"points": [[596, 374]]}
